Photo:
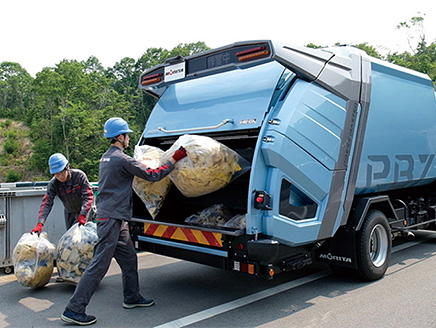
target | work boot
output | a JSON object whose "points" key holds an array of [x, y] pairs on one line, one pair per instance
{"points": [[81, 319], [142, 302]]}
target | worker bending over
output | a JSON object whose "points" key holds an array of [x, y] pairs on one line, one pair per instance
{"points": [[73, 189]]}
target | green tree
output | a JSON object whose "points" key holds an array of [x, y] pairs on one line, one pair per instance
{"points": [[73, 101], [125, 76], [312, 45], [66, 106], [15, 94], [422, 57], [188, 49], [370, 50], [93, 65], [415, 30]]}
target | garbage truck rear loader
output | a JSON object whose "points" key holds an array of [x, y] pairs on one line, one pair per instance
{"points": [[342, 153]]}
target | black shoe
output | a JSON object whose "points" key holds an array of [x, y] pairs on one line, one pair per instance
{"points": [[80, 319], [142, 302]]}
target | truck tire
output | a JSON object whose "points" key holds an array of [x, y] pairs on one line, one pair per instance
{"points": [[374, 245]]}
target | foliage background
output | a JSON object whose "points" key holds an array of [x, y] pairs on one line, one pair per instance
{"points": [[63, 109]]}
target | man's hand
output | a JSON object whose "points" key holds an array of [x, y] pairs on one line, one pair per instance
{"points": [[37, 229], [81, 219], [179, 154]]}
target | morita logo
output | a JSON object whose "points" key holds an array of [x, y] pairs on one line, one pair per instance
{"points": [[331, 257], [174, 71]]}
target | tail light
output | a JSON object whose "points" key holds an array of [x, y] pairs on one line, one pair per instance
{"points": [[244, 267], [150, 79], [252, 53]]}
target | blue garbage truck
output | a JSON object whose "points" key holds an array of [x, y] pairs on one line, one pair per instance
{"points": [[341, 149]]}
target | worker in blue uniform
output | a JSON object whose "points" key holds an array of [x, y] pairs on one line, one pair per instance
{"points": [[114, 212], [73, 189]]}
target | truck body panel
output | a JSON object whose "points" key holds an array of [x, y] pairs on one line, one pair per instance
{"points": [[336, 141], [198, 104], [400, 139]]}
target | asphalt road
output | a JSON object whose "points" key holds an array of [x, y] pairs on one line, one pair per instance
{"points": [[189, 294]]}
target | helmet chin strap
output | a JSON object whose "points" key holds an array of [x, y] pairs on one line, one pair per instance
{"points": [[123, 143], [69, 173]]}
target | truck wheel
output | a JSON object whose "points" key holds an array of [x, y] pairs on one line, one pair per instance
{"points": [[374, 246]]}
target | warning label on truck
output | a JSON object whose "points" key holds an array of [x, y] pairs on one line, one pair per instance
{"points": [[184, 234]]}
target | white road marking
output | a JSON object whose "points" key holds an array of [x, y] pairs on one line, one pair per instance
{"points": [[219, 309], [208, 313]]}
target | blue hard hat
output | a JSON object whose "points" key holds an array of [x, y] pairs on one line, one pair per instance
{"points": [[115, 126], [57, 162]]}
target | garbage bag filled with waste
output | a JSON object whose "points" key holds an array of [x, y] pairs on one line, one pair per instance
{"points": [[208, 166], [236, 222], [152, 194], [215, 215], [75, 250], [33, 260]]}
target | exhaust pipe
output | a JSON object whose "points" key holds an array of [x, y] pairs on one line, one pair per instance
{"points": [[409, 235]]}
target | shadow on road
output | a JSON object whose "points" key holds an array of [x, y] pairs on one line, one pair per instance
{"points": [[182, 288]]}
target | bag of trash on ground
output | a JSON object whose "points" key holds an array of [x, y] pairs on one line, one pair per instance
{"points": [[215, 215], [75, 250], [152, 194], [208, 166], [33, 260]]}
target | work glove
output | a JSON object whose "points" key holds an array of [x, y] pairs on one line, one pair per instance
{"points": [[38, 228], [179, 154], [81, 219]]}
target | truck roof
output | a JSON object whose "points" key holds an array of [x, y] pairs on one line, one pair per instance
{"points": [[304, 61], [332, 71], [337, 69]]}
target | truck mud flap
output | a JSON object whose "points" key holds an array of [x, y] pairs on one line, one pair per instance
{"points": [[340, 250]]}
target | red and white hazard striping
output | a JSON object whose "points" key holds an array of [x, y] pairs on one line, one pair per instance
{"points": [[184, 234]]}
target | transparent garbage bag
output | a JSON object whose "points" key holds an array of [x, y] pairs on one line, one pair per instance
{"points": [[236, 222], [208, 167], [33, 260], [215, 215], [152, 194], [75, 250]]}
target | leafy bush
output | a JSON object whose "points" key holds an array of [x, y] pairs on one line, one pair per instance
{"points": [[10, 146], [11, 134], [13, 176]]}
